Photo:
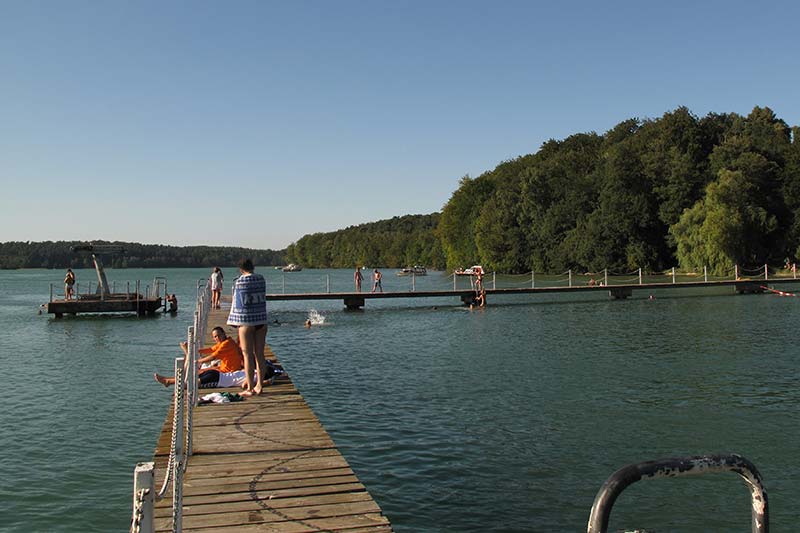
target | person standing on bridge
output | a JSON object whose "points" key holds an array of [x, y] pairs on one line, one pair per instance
{"points": [[216, 287], [357, 278], [249, 314], [376, 281]]}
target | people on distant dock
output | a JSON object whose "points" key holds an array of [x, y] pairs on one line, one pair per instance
{"points": [[479, 280], [249, 314], [216, 287], [358, 278], [69, 285], [376, 281], [171, 303]]}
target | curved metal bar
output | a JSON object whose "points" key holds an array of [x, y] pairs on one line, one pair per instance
{"points": [[680, 466]]}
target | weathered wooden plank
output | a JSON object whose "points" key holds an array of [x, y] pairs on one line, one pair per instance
{"points": [[273, 515], [339, 523], [275, 503]]}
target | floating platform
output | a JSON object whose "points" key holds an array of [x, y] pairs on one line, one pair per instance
{"points": [[112, 303]]}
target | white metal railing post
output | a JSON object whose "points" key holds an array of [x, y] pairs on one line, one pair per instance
{"points": [[177, 466], [327, 283], [143, 498], [640, 275], [51, 293], [766, 272], [673, 275], [137, 296], [794, 270], [454, 281], [413, 282], [705, 273], [570, 277], [494, 280], [605, 275], [735, 272], [284, 283], [533, 280], [128, 291]]}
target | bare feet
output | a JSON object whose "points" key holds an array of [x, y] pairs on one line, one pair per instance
{"points": [[161, 379], [247, 393]]}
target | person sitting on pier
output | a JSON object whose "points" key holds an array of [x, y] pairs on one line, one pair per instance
{"points": [[172, 300], [210, 378], [226, 351]]}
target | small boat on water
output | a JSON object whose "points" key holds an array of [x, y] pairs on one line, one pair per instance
{"points": [[415, 270], [471, 271], [291, 267]]}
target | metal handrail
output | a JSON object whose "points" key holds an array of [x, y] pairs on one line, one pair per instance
{"points": [[675, 467]]}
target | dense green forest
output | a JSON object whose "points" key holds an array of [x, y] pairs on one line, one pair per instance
{"points": [[397, 242], [679, 190], [60, 255]]}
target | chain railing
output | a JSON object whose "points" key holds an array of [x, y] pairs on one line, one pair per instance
{"points": [[184, 400]]}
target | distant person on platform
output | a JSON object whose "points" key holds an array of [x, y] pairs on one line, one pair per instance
{"points": [[479, 280], [249, 314], [216, 287], [358, 278], [69, 284], [172, 300], [376, 281]]}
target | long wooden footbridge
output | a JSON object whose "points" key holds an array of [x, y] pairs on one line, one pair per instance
{"points": [[614, 289], [263, 464]]}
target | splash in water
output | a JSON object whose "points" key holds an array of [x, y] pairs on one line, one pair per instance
{"points": [[316, 318]]}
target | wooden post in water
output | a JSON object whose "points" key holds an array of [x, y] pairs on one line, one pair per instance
{"points": [[143, 498]]}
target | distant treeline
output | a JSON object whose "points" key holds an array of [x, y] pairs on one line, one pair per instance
{"points": [[397, 242], [60, 255], [674, 191]]}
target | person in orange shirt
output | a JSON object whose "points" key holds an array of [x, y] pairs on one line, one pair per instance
{"points": [[226, 351]]}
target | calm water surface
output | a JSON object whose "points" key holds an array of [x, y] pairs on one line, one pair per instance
{"points": [[506, 419]]}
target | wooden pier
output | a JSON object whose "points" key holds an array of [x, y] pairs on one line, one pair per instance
{"points": [[264, 464], [356, 300]]}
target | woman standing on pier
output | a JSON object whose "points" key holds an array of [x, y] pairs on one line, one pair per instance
{"points": [[249, 314], [216, 287]]}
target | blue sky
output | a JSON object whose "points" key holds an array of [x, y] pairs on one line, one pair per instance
{"points": [[253, 123]]}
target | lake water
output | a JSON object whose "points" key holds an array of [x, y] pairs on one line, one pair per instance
{"points": [[504, 419]]}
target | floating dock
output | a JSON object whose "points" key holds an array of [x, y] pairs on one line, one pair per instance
{"points": [[114, 303], [264, 464]]}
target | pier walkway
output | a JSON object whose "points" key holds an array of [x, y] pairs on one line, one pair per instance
{"points": [[264, 464], [355, 300]]}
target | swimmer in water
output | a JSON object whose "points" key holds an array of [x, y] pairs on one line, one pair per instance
{"points": [[307, 323]]}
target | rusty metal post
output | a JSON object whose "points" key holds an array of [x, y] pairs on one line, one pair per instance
{"points": [[681, 466]]}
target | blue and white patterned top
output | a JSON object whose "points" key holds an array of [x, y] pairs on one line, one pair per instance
{"points": [[249, 305]]}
